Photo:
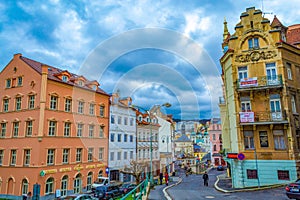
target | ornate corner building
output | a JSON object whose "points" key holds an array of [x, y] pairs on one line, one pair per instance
{"points": [[260, 114]]}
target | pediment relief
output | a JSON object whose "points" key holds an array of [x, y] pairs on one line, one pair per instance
{"points": [[254, 56]]}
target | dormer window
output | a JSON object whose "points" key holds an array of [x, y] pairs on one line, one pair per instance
{"points": [[64, 78], [253, 43], [140, 118], [94, 87], [80, 83]]}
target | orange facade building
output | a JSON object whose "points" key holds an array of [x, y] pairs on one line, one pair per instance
{"points": [[53, 130]]}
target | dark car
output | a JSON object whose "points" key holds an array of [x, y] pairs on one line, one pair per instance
{"points": [[107, 192], [127, 187], [78, 197], [220, 168], [293, 190]]}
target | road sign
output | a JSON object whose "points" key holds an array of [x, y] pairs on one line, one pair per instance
{"points": [[241, 156], [232, 155], [107, 170]]}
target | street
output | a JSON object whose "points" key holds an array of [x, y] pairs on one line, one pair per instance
{"points": [[192, 187]]}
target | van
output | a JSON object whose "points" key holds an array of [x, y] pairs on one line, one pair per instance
{"points": [[101, 181]]}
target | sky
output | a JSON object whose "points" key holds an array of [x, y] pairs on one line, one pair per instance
{"points": [[153, 51]]}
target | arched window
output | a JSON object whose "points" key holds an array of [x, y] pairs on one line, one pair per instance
{"points": [[89, 181], [64, 185], [24, 186], [77, 184], [100, 173], [49, 186]]}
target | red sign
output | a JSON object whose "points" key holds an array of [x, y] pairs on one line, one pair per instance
{"points": [[232, 155]]}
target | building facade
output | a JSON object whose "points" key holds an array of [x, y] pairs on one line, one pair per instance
{"points": [[122, 131], [260, 71], [54, 130], [215, 137]]}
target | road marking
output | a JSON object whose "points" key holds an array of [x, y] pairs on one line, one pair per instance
{"points": [[209, 197]]}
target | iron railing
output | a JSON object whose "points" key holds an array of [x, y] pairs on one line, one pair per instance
{"points": [[264, 116], [138, 192]]}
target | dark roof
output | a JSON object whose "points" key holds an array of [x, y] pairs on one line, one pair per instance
{"points": [[53, 72], [183, 138]]}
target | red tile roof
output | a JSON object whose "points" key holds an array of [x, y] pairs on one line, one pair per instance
{"points": [[293, 34], [53, 71]]}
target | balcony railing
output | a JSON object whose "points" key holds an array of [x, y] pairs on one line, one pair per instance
{"points": [[252, 117], [259, 82], [221, 100]]}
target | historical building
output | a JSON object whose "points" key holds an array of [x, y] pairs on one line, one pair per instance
{"points": [[260, 114], [215, 137], [54, 130], [122, 134]]}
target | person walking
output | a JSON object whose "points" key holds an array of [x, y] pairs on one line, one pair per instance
{"points": [[205, 179], [161, 176], [167, 178]]}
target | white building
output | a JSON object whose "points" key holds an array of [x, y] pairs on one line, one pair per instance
{"points": [[122, 137]]}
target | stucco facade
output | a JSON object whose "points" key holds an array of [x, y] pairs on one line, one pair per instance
{"points": [[54, 129]]}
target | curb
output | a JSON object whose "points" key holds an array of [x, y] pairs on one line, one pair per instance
{"points": [[245, 189], [166, 194]]}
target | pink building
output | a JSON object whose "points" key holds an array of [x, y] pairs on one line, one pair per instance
{"points": [[53, 130], [215, 134]]}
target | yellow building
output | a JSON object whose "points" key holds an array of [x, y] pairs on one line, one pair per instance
{"points": [[260, 113]]}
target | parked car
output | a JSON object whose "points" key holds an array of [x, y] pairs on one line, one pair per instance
{"points": [[79, 197], [220, 168], [107, 192], [293, 190], [127, 187]]}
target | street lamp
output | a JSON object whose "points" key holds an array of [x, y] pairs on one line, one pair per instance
{"points": [[150, 123]]}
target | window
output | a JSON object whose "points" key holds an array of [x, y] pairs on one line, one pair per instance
{"points": [[92, 109], [294, 109], [125, 137], [13, 157], [112, 119], [53, 102], [289, 71], [112, 155], [91, 130], [68, 105], [29, 125], [18, 103], [50, 156], [271, 74], [215, 147], [131, 121], [101, 131], [16, 129], [8, 83], [119, 156], [20, 81], [101, 151], [263, 137], [64, 186], [26, 157], [112, 137], [119, 120], [90, 154], [131, 154], [131, 138], [125, 155], [253, 43], [245, 105], [65, 156], [1, 156], [279, 141], [67, 129], [78, 154], [31, 99], [80, 83], [243, 72], [89, 181], [24, 186], [79, 130], [49, 186], [64, 78], [214, 137], [119, 137], [283, 175], [3, 130], [251, 173], [52, 128], [5, 105], [125, 120], [77, 184], [102, 109], [275, 103], [80, 107], [248, 140]]}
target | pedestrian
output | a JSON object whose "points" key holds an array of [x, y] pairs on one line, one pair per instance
{"points": [[161, 176], [167, 178], [29, 196], [205, 179]]}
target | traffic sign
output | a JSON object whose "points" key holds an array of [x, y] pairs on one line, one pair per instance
{"points": [[241, 156], [107, 170], [232, 155]]}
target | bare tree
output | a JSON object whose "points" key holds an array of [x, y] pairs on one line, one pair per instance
{"points": [[136, 168]]}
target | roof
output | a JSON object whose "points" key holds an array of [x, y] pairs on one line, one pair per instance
{"points": [[183, 138], [53, 72], [293, 34]]}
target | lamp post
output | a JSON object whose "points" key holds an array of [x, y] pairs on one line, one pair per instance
{"points": [[151, 136]]}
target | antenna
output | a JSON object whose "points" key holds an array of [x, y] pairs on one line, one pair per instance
{"points": [[262, 9]]}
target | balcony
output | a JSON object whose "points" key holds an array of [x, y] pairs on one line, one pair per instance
{"points": [[263, 117], [261, 82]]}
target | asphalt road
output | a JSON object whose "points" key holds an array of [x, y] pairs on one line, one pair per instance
{"points": [[192, 187]]}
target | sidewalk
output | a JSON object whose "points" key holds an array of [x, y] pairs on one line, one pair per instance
{"points": [[159, 192]]}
